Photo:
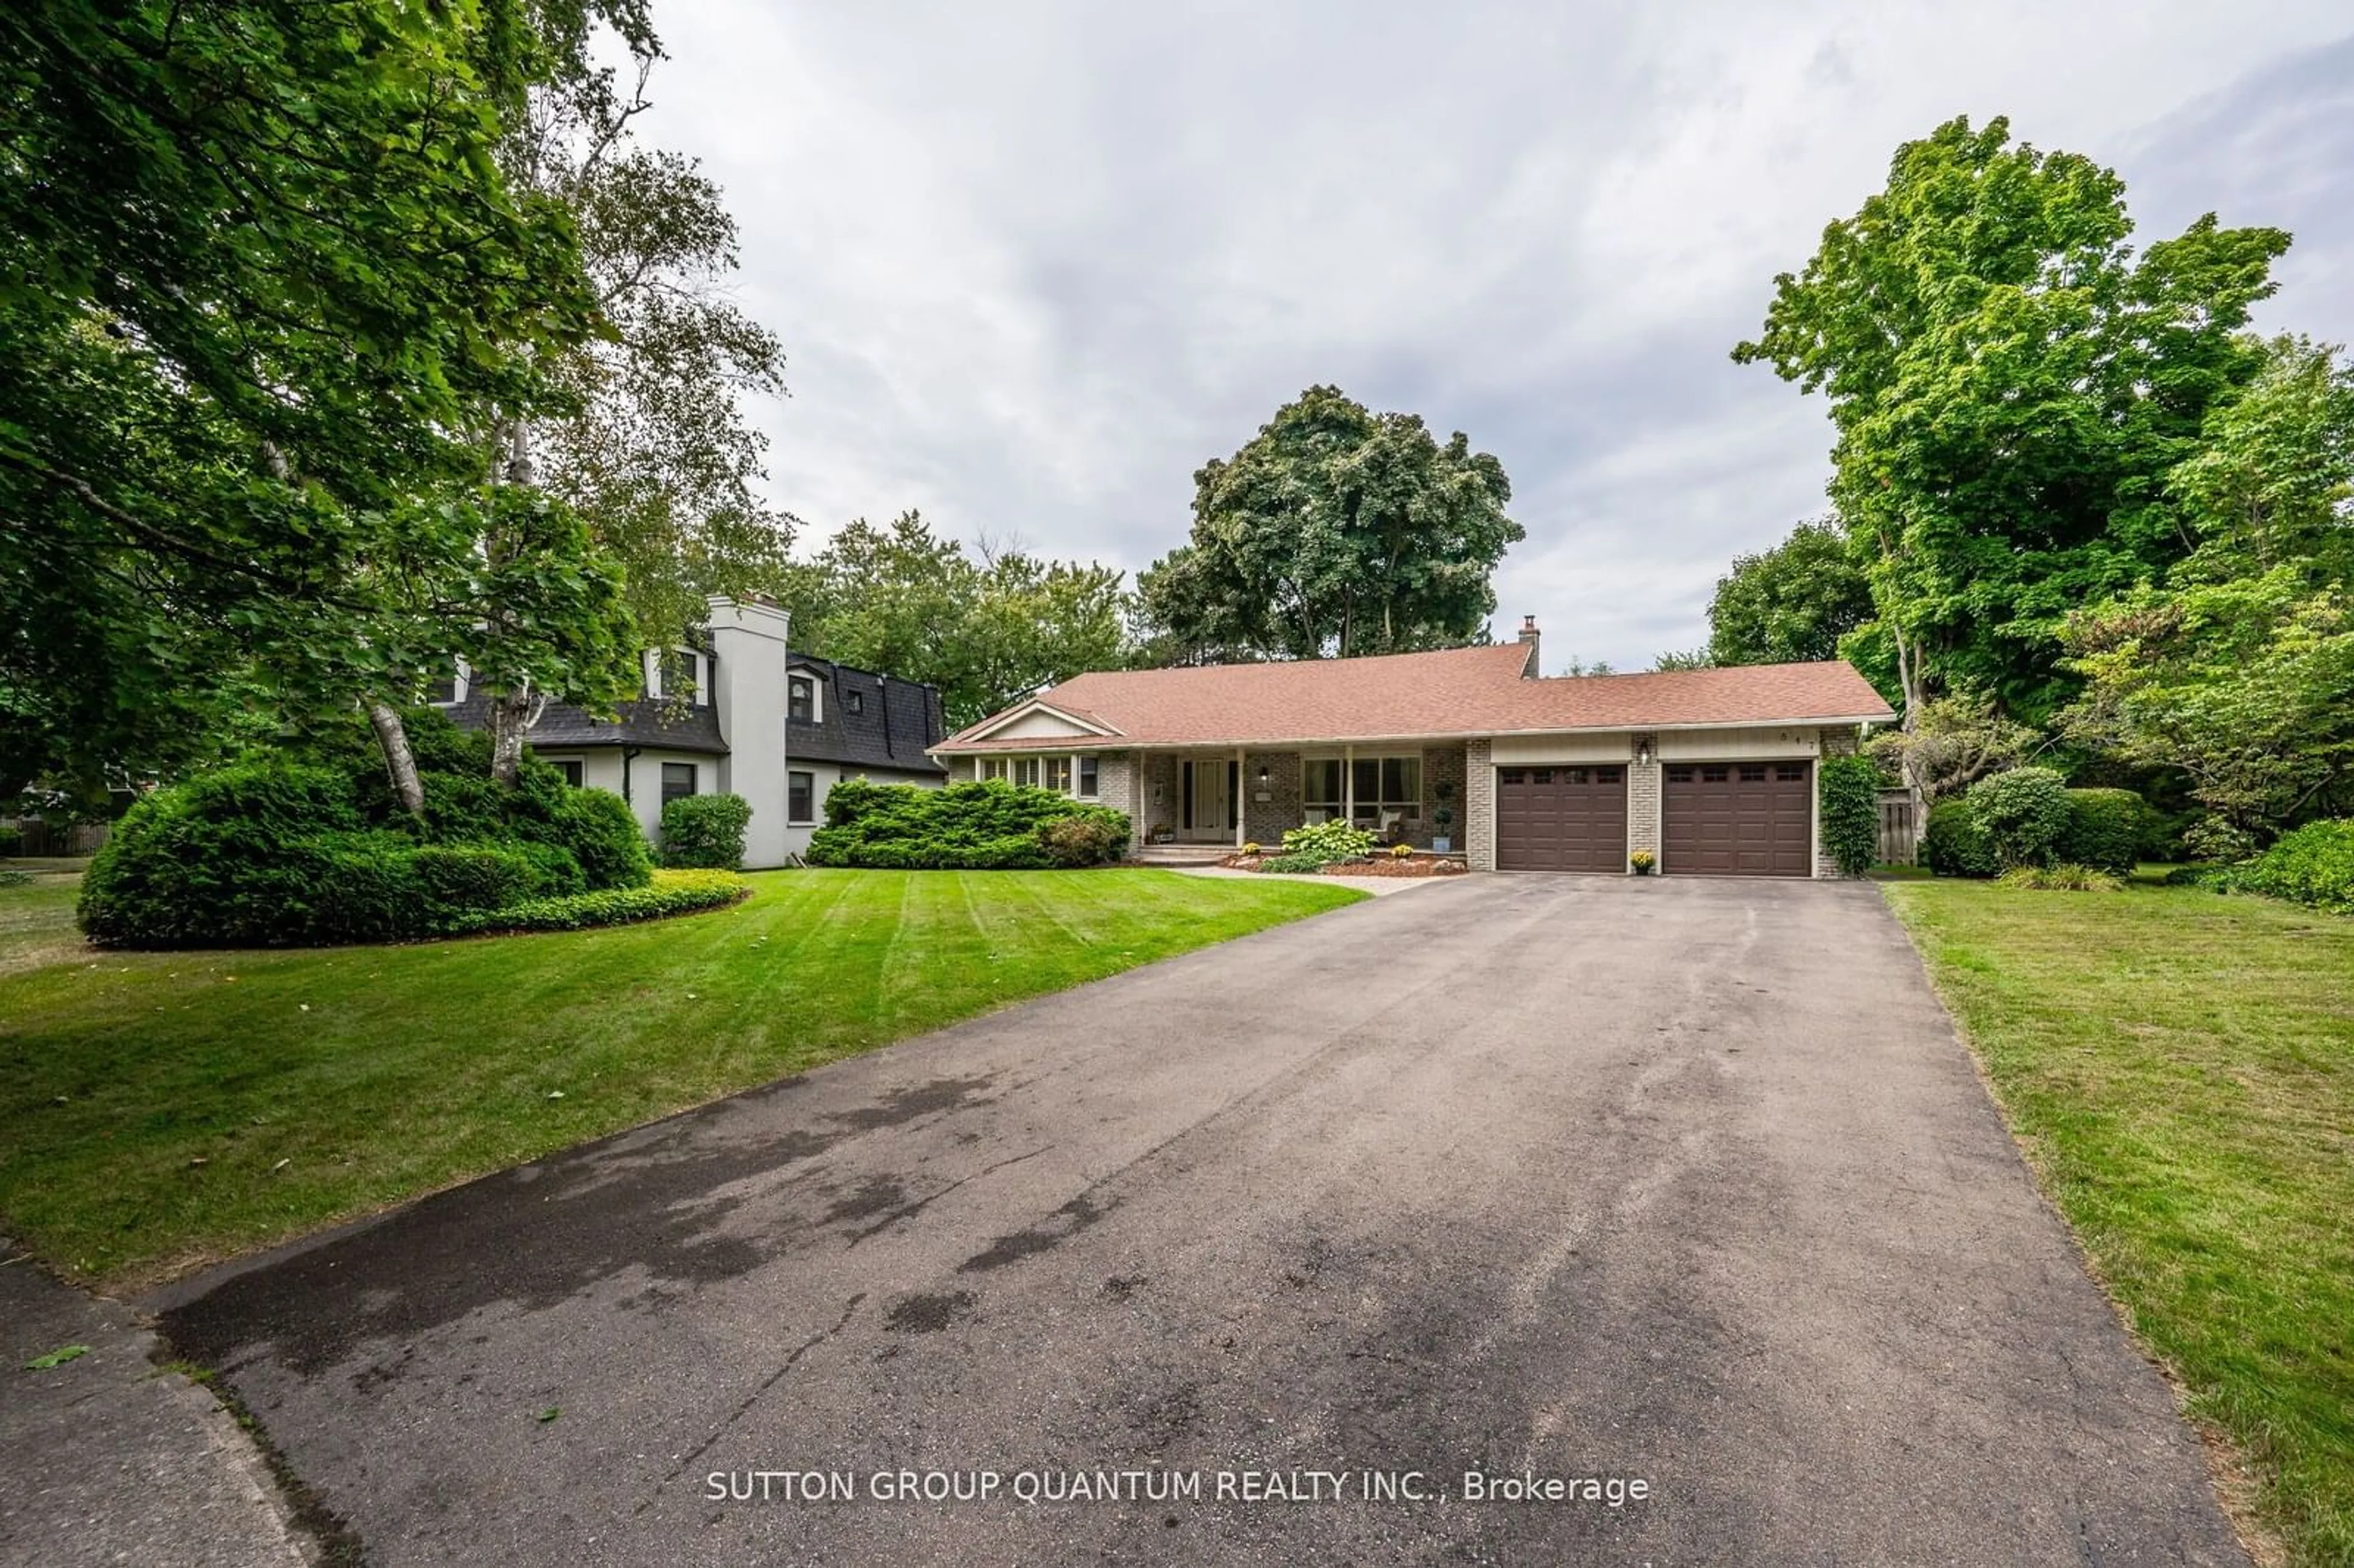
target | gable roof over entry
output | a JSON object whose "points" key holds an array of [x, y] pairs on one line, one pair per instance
{"points": [[1451, 693]]}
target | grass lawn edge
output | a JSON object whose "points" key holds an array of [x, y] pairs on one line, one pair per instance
{"points": [[2239, 1477], [141, 1275]]}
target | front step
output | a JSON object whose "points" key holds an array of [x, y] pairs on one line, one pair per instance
{"points": [[1182, 854]]}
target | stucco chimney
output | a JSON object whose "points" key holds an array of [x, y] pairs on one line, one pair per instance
{"points": [[1530, 669]]}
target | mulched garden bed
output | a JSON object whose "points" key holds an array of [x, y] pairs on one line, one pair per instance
{"points": [[1378, 865]]}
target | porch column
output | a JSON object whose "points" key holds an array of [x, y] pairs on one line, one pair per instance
{"points": [[1241, 783], [1349, 785]]}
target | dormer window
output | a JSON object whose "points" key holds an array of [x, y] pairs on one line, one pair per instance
{"points": [[855, 702], [800, 699]]}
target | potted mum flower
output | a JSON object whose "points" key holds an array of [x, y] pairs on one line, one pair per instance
{"points": [[1644, 861]]}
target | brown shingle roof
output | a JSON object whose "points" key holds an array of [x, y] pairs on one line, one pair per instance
{"points": [[1459, 691]]}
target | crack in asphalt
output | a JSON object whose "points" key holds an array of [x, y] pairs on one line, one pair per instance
{"points": [[909, 1211], [753, 1398]]}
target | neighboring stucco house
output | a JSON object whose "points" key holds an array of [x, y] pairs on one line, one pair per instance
{"points": [[1712, 770], [738, 713]]}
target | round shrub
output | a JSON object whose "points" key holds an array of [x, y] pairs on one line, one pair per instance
{"points": [[2105, 830], [11, 838], [1848, 789], [705, 832], [2023, 812], [1951, 843]]}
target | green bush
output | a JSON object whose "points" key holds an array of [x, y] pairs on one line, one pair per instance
{"points": [[992, 826], [458, 878], [2105, 829], [1293, 865], [705, 832], [2023, 812], [669, 892], [2062, 878], [597, 830], [11, 838], [1096, 839], [314, 852], [1848, 791], [1330, 843], [2314, 865], [1952, 845], [13, 876]]}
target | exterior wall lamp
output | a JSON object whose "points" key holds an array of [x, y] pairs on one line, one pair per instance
{"points": [[1643, 752]]}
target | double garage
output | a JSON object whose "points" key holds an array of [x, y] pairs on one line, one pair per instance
{"points": [[1716, 818]]}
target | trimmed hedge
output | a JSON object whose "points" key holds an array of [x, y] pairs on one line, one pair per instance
{"points": [[706, 831], [2314, 865], [1951, 843], [313, 851], [670, 893], [1848, 794], [992, 826], [2105, 830], [2023, 812]]}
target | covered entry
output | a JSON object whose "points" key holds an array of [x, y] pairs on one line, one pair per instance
{"points": [[1738, 819], [1561, 819]]}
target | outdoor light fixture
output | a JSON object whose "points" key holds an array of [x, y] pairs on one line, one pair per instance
{"points": [[1262, 772], [1643, 753]]}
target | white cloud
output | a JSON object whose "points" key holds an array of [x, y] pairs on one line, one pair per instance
{"points": [[1034, 263]]}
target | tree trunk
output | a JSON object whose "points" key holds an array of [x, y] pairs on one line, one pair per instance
{"points": [[512, 712], [399, 762]]}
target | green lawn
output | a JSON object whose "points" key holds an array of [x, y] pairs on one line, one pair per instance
{"points": [[159, 1109], [36, 919], [2180, 1067]]}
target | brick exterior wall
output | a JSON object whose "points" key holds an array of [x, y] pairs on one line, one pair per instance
{"points": [[1645, 797], [1116, 788], [1156, 794], [1441, 765], [1480, 805], [1265, 821]]}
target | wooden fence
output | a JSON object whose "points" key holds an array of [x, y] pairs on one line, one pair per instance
{"points": [[38, 839], [1900, 827]]}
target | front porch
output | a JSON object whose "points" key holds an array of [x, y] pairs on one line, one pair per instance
{"points": [[1227, 798]]}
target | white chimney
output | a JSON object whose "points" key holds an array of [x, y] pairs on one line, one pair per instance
{"points": [[749, 642]]}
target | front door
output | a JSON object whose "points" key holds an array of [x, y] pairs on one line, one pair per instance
{"points": [[1205, 801]]}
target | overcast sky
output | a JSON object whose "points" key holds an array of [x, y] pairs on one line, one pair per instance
{"points": [[1032, 264]]}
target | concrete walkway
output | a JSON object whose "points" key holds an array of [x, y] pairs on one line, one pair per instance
{"points": [[110, 1459], [1379, 886], [1678, 1183]]}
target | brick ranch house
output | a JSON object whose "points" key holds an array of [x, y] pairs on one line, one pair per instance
{"points": [[1712, 770]]}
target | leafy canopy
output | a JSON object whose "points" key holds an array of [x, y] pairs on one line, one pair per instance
{"points": [[1790, 604], [987, 631], [1334, 531], [261, 282], [2012, 385]]}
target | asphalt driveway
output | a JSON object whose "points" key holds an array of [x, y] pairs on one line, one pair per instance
{"points": [[1678, 1183]]}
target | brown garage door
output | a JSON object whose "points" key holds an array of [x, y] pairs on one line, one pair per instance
{"points": [[1561, 819], [1738, 819]]}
